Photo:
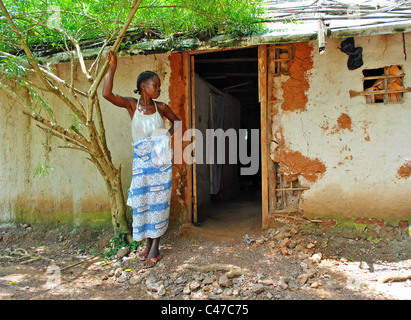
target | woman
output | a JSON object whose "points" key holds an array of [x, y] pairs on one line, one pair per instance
{"points": [[150, 189]]}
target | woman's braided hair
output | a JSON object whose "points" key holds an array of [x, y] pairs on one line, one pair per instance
{"points": [[146, 75]]}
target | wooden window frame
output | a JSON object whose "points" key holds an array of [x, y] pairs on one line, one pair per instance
{"points": [[385, 92], [281, 65]]}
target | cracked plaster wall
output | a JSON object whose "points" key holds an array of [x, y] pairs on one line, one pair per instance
{"points": [[75, 186], [351, 154]]}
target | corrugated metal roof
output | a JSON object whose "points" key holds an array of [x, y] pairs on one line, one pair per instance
{"points": [[339, 17], [293, 21]]}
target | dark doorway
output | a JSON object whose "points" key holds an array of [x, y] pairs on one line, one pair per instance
{"points": [[232, 76]]}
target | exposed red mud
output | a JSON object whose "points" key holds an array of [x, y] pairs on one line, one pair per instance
{"points": [[294, 162], [404, 172], [177, 96], [294, 89]]}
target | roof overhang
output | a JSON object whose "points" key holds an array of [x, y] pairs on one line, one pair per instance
{"points": [[287, 22], [278, 33]]}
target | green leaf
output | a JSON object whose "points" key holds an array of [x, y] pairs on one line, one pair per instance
{"points": [[40, 21], [42, 170]]}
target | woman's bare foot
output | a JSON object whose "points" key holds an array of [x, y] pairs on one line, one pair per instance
{"points": [[142, 256], [154, 254]]}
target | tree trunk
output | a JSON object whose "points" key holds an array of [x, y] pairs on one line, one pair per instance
{"points": [[118, 206], [96, 145]]}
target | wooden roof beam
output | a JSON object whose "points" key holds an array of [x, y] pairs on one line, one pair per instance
{"points": [[232, 74], [226, 60]]}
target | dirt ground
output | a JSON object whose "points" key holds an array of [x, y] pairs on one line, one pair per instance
{"points": [[295, 260]]}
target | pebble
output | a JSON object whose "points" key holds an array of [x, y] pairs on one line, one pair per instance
{"points": [[218, 290], [316, 258], [123, 278], [177, 291], [195, 285], [285, 242], [118, 272], [151, 279], [180, 280], [153, 286], [208, 280], [266, 282], [259, 242], [135, 280], [303, 278], [224, 281], [310, 245], [292, 244], [282, 284], [123, 252], [161, 291], [284, 251], [186, 290], [257, 288]]}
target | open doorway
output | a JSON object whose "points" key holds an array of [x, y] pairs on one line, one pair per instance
{"points": [[226, 98]]}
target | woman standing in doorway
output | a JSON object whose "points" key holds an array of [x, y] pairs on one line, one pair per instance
{"points": [[150, 189]]}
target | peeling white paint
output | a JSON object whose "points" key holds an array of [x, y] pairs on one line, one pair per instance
{"points": [[362, 163], [75, 185]]}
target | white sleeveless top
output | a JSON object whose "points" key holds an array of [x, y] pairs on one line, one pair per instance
{"points": [[145, 125]]}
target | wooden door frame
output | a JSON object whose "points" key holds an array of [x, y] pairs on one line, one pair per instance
{"points": [[189, 105], [189, 74], [265, 131]]}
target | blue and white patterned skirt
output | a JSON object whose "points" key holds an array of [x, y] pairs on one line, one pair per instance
{"points": [[150, 189]]}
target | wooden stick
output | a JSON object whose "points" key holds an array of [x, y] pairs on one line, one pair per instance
{"points": [[368, 93], [80, 262], [383, 77], [231, 270], [292, 217], [396, 278], [237, 85]]}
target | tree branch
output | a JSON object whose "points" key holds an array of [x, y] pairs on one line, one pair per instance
{"points": [[75, 148], [96, 62], [65, 138], [26, 49], [65, 88], [81, 59], [63, 82], [102, 129], [60, 130], [16, 96], [93, 89]]}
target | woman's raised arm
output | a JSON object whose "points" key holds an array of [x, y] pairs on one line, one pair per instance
{"points": [[124, 102]]}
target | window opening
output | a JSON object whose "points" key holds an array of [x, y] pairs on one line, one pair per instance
{"points": [[280, 57], [384, 85], [285, 190]]}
